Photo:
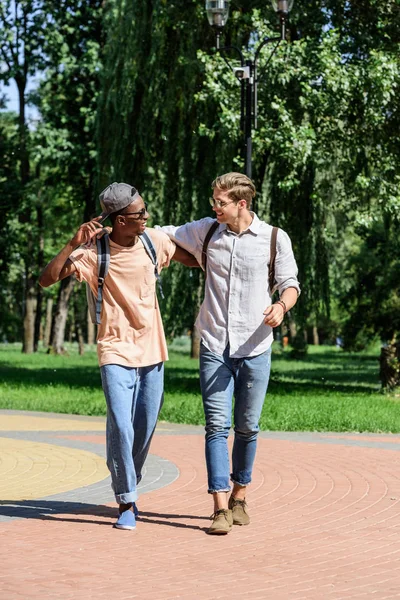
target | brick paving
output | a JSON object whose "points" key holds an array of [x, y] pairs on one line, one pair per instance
{"points": [[325, 517]]}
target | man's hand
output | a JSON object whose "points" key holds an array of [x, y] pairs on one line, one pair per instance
{"points": [[86, 233], [274, 315], [61, 267]]}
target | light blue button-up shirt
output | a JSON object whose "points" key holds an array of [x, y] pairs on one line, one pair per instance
{"points": [[237, 291]]}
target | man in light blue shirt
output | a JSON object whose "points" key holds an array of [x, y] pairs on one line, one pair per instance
{"points": [[235, 324]]}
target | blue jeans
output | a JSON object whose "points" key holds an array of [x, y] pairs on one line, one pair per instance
{"points": [[134, 398], [221, 378]]}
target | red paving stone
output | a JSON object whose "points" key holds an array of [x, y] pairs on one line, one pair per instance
{"points": [[325, 524]]}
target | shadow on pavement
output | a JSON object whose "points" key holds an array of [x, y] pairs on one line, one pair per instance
{"points": [[48, 510]]}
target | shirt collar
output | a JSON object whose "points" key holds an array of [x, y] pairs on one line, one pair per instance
{"points": [[254, 226]]}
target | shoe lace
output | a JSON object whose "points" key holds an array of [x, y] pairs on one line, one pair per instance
{"points": [[220, 511], [238, 503]]}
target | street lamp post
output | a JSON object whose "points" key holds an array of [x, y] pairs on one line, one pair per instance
{"points": [[217, 14]]}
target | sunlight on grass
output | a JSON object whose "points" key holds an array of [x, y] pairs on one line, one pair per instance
{"points": [[329, 391]]}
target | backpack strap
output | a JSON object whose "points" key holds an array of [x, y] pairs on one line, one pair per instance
{"points": [[103, 262], [207, 239], [271, 268], [151, 251]]}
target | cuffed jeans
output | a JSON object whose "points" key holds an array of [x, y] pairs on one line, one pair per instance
{"points": [[134, 398], [221, 378]]}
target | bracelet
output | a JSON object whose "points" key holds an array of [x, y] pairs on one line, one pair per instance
{"points": [[281, 302]]}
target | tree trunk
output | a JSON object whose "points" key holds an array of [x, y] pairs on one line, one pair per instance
{"points": [[195, 337], [30, 283], [91, 329], [195, 343], [30, 297], [90, 200], [40, 265], [292, 326], [315, 335], [30, 313], [23, 131], [61, 314], [38, 318], [79, 335], [390, 365], [47, 329], [78, 325]]}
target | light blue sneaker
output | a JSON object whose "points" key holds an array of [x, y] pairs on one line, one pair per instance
{"points": [[126, 520]]}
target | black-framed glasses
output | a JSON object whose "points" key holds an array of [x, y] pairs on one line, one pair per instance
{"points": [[218, 203], [139, 214]]}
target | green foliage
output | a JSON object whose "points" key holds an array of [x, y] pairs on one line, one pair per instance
{"points": [[60, 42], [299, 346], [374, 292], [11, 292], [67, 100], [148, 125], [164, 115], [325, 152]]}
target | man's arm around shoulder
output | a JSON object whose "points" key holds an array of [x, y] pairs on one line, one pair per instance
{"points": [[184, 257], [189, 236], [178, 253]]}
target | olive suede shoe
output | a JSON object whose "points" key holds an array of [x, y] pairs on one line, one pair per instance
{"points": [[221, 522], [240, 515]]}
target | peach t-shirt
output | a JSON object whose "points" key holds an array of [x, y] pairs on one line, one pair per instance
{"points": [[131, 331]]}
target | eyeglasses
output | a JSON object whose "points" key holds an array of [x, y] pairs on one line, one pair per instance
{"points": [[140, 213], [218, 203]]}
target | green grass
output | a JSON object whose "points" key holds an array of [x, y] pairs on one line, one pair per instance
{"points": [[329, 391]]}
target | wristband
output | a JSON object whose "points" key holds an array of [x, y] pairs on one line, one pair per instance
{"points": [[281, 302]]}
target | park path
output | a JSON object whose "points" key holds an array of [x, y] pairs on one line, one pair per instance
{"points": [[325, 514]]}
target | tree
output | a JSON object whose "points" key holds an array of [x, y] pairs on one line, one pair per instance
{"points": [[148, 125], [22, 34], [66, 151], [62, 42], [11, 266], [326, 151]]}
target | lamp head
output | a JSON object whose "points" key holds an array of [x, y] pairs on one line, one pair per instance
{"points": [[217, 12], [282, 7]]}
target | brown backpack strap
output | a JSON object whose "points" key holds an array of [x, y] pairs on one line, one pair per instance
{"points": [[208, 237], [271, 268]]}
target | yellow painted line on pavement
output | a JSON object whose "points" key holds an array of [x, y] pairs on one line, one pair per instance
{"points": [[32, 470], [31, 423]]}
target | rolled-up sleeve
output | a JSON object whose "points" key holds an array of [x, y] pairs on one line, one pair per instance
{"points": [[285, 264], [169, 248], [83, 261]]}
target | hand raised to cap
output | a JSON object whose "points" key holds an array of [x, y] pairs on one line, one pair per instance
{"points": [[86, 232]]}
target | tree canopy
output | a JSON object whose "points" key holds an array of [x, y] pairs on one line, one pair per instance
{"points": [[136, 92]]}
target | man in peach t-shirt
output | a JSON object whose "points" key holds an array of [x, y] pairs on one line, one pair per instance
{"points": [[130, 340]]}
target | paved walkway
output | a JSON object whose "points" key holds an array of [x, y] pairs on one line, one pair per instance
{"points": [[325, 518]]}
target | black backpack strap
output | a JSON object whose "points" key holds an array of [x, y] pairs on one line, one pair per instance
{"points": [[151, 251], [207, 239], [271, 268], [103, 262]]}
